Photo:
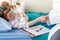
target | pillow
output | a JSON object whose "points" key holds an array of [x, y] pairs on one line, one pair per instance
{"points": [[4, 25]]}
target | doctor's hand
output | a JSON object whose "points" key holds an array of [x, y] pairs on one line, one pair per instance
{"points": [[43, 19]]}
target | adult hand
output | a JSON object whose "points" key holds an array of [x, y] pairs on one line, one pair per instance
{"points": [[43, 18]]}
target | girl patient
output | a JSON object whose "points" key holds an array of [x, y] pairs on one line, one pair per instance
{"points": [[17, 18]]}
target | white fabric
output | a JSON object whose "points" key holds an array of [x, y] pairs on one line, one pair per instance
{"points": [[56, 4], [19, 21], [4, 25], [54, 17]]}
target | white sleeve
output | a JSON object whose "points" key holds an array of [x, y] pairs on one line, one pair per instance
{"points": [[54, 17], [48, 22], [23, 23], [26, 26]]}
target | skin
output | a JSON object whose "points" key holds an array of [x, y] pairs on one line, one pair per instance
{"points": [[44, 18], [40, 19], [10, 15]]}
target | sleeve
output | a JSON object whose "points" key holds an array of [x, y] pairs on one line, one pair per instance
{"points": [[54, 17], [48, 22], [23, 23], [26, 25]]}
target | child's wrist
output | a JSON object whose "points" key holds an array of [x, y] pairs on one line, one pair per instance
{"points": [[37, 20]]}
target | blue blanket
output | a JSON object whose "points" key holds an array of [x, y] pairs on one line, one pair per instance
{"points": [[14, 34]]}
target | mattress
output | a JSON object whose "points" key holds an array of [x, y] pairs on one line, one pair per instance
{"points": [[15, 34]]}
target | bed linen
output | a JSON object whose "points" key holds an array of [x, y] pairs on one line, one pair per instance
{"points": [[14, 34]]}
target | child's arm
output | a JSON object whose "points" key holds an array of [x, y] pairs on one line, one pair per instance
{"points": [[33, 22], [40, 19]]}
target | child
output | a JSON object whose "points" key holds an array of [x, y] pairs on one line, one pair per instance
{"points": [[6, 14], [18, 19]]}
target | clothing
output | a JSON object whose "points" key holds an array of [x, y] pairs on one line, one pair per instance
{"points": [[19, 21], [54, 18], [22, 23]]}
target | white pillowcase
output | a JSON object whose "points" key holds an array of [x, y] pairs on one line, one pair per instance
{"points": [[4, 25]]}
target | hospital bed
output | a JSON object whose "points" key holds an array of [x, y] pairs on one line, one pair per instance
{"points": [[31, 5]]}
